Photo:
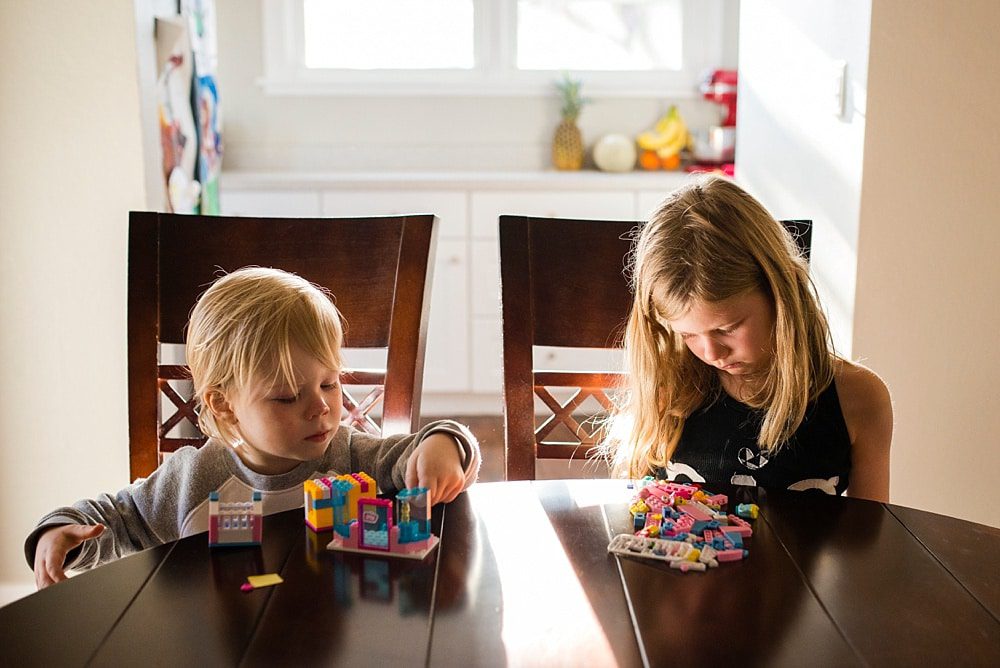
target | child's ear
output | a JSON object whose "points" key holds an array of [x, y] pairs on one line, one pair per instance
{"points": [[220, 406]]}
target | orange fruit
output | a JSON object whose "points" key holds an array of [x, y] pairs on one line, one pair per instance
{"points": [[649, 160], [672, 161]]}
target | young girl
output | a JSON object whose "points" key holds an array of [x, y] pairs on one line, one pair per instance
{"points": [[264, 348], [733, 377]]}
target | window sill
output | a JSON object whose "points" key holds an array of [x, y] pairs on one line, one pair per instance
{"points": [[487, 180], [290, 87]]}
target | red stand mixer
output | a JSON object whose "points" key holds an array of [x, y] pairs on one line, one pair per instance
{"points": [[720, 86], [715, 148]]}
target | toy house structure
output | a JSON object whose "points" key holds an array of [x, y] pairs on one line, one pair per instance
{"points": [[235, 523], [360, 522]]}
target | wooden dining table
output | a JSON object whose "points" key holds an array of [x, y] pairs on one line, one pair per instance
{"points": [[522, 576]]}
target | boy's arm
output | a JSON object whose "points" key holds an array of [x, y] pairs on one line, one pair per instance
{"points": [[126, 530], [385, 459], [142, 515]]}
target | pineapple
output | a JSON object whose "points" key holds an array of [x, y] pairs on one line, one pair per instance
{"points": [[567, 145]]}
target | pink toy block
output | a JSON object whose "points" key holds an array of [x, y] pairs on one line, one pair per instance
{"points": [[740, 526], [679, 490], [719, 500], [729, 555], [683, 524], [698, 511]]}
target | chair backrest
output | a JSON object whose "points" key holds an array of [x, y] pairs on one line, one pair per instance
{"points": [[563, 285], [378, 269]]}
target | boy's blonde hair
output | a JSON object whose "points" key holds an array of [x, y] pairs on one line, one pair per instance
{"points": [[710, 241], [244, 327]]}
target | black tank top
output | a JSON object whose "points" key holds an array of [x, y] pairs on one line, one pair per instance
{"points": [[719, 445]]}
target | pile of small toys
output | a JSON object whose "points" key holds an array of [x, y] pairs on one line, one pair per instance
{"points": [[685, 526]]}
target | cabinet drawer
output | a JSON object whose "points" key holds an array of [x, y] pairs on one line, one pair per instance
{"points": [[293, 204], [607, 205], [449, 206]]}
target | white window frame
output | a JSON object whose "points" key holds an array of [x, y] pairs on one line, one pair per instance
{"points": [[495, 73]]}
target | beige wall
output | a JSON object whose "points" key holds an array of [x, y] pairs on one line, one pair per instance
{"points": [[927, 314], [71, 167]]}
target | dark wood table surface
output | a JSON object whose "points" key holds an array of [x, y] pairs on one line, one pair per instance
{"points": [[523, 577]]}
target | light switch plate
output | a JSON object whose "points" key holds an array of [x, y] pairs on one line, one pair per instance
{"points": [[838, 86]]}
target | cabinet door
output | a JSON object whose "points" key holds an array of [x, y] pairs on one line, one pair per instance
{"points": [[487, 207], [446, 364], [295, 204], [449, 206], [487, 356], [446, 361], [487, 373], [648, 201]]}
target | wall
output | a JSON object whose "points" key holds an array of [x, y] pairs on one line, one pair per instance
{"points": [[71, 168], [794, 152], [926, 312], [904, 200], [319, 133]]}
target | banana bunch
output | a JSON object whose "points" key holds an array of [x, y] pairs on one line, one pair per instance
{"points": [[667, 138]]}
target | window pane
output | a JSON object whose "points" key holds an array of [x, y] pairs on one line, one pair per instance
{"points": [[388, 34], [599, 34]]}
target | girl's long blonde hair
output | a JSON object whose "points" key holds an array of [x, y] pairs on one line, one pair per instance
{"points": [[710, 241], [244, 328]]}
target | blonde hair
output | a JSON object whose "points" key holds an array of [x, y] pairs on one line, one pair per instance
{"points": [[707, 242], [245, 326]]}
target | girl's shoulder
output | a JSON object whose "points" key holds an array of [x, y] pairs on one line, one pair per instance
{"points": [[864, 398]]}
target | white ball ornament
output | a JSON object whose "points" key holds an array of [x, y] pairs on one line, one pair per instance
{"points": [[614, 153]]}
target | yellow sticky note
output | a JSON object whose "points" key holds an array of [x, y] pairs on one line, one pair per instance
{"points": [[268, 580]]}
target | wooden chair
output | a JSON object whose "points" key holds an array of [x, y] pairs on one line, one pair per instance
{"points": [[378, 269], [563, 285]]}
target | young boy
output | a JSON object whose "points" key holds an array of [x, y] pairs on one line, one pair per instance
{"points": [[264, 348]]}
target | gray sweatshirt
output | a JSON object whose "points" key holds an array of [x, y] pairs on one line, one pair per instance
{"points": [[173, 501]]}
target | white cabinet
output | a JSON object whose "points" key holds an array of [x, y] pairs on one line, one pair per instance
{"points": [[449, 206], [647, 202], [462, 369], [446, 361], [486, 209], [305, 204]]}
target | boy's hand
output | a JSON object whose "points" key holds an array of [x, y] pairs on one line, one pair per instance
{"points": [[436, 464], [54, 545]]}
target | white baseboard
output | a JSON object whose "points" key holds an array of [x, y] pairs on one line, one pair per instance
{"points": [[12, 591]]}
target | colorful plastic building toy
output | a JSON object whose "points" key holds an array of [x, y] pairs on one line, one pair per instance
{"points": [[363, 523], [333, 502], [235, 523], [685, 526]]}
